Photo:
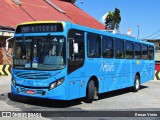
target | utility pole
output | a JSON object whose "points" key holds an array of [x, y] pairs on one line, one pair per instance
{"points": [[138, 31]]}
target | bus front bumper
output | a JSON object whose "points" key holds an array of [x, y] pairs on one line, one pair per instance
{"points": [[57, 93]]}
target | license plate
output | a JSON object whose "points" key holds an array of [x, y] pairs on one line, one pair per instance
{"points": [[30, 91]]}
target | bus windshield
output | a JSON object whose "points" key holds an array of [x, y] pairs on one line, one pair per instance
{"points": [[42, 53]]}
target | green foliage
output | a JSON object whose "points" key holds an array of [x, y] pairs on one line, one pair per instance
{"points": [[73, 1], [109, 19], [113, 19], [117, 18]]}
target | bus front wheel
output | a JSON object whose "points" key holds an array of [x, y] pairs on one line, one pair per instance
{"points": [[136, 84], [90, 92]]}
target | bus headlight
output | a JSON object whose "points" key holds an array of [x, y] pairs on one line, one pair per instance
{"points": [[56, 83], [13, 82], [52, 85]]}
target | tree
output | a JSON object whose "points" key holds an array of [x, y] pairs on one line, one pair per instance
{"points": [[116, 18], [113, 19], [109, 19], [72, 1]]}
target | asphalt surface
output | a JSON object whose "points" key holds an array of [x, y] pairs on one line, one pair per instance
{"points": [[144, 102]]}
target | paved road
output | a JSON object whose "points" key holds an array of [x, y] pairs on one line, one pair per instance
{"points": [[147, 99]]}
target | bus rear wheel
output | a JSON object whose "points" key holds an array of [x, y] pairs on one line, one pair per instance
{"points": [[136, 86], [90, 92]]}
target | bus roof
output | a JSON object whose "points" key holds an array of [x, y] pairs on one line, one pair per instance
{"points": [[40, 22], [111, 34]]}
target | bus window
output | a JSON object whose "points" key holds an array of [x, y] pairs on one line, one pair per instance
{"points": [[23, 49], [129, 50], [144, 52], [107, 47], [137, 51], [119, 48], [93, 46], [43, 53], [76, 50], [151, 52]]}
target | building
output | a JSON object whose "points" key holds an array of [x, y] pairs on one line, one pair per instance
{"points": [[14, 12], [156, 42], [157, 48]]}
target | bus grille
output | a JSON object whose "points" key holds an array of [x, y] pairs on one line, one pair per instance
{"points": [[37, 91], [38, 75]]}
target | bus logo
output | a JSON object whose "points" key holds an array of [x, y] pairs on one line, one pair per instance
{"points": [[106, 67], [138, 62]]}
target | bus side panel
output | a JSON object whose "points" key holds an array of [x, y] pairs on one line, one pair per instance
{"points": [[109, 83], [137, 68], [151, 69], [94, 68], [144, 71], [122, 70], [74, 79], [107, 68], [74, 89], [145, 68], [121, 76], [147, 71], [77, 83]]}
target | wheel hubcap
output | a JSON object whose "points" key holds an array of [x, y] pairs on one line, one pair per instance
{"points": [[137, 84]]}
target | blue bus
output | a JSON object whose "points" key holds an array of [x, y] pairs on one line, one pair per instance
{"points": [[64, 61]]}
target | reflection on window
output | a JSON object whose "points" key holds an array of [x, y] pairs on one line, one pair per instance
{"points": [[93, 45], [137, 50], [44, 53], [119, 48], [107, 47], [144, 52], [151, 52], [129, 50]]}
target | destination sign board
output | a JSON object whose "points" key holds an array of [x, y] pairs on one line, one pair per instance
{"points": [[40, 28]]}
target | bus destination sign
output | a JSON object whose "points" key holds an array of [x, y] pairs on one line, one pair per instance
{"points": [[40, 28]]}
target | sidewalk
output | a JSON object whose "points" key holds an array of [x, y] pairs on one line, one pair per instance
{"points": [[4, 80]]}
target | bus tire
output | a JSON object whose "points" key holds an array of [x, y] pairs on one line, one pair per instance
{"points": [[90, 92], [136, 86]]}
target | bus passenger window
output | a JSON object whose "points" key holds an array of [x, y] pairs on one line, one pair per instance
{"points": [[151, 52], [144, 52], [119, 48], [93, 45], [129, 50], [107, 47], [137, 50]]}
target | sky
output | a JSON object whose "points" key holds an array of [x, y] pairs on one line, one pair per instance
{"points": [[143, 13]]}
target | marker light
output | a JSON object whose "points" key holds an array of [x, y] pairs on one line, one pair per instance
{"points": [[56, 83]]}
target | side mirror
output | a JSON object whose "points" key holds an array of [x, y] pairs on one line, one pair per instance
{"points": [[7, 46]]}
